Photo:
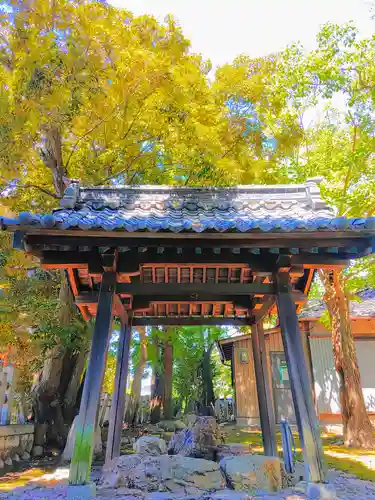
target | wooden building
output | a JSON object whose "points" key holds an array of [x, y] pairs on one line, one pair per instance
{"points": [[166, 255], [237, 351]]}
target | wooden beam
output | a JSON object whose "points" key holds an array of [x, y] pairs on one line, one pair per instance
{"points": [[189, 321], [261, 239], [266, 411], [263, 311], [197, 289], [129, 262], [87, 298], [86, 423], [118, 398], [307, 421], [140, 302], [74, 280], [119, 310], [85, 315]]}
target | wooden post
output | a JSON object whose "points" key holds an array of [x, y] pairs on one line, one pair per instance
{"points": [[266, 412], [87, 420], [305, 327], [307, 421], [119, 394]]}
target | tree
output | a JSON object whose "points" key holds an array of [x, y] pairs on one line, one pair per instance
{"points": [[139, 360], [91, 92], [340, 147], [194, 368], [168, 379]]}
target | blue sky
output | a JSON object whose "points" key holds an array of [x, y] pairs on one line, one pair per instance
{"points": [[221, 29]]}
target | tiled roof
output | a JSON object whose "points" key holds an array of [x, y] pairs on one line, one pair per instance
{"points": [[364, 308], [280, 208]]}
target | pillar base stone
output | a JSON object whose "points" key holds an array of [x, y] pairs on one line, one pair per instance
{"points": [[317, 491], [81, 491]]}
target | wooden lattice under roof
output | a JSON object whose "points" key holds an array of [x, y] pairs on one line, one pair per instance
{"points": [[191, 254]]}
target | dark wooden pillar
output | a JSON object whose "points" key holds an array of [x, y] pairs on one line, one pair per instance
{"points": [[305, 332], [119, 394], [266, 412], [307, 420], [87, 419]]}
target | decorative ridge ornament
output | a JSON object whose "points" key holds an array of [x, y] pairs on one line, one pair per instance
{"points": [[165, 198]]}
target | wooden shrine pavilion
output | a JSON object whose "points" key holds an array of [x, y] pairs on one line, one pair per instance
{"points": [[153, 255]]}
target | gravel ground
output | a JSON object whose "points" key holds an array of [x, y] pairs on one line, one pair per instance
{"points": [[347, 488]]}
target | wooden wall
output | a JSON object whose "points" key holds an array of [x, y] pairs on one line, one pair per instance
{"points": [[247, 410], [244, 375], [245, 385]]}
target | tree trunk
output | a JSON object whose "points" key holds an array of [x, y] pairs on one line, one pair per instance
{"points": [[46, 395], [358, 431], [74, 382], [135, 396], [156, 385], [58, 384], [168, 376], [208, 386], [156, 396]]}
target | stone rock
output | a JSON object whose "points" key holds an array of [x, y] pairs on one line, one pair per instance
{"points": [[122, 493], [320, 491], [173, 474], [37, 451], [68, 450], [150, 446], [8, 461], [153, 429], [16, 458], [200, 441], [1, 464], [81, 491], [26, 456], [298, 475], [248, 472], [190, 419], [171, 425], [232, 449], [126, 440], [228, 495]]}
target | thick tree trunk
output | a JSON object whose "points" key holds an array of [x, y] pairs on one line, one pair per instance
{"points": [[74, 382], [48, 392], [135, 396], [59, 381], [358, 431], [168, 376]]}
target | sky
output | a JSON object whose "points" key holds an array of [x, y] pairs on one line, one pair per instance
{"points": [[221, 29]]}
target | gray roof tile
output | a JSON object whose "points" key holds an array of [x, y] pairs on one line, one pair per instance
{"points": [[280, 208]]}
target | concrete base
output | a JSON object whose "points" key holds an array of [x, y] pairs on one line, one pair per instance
{"points": [[317, 491], [320, 491], [248, 422], [81, 491]]}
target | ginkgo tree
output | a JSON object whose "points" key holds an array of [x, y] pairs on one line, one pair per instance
{"points": [[88, 91], [91, 92]]}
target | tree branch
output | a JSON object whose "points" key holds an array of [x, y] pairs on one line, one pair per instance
{"points": [[348, 173], [87, 133], [125, 170], [39, 188]]}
